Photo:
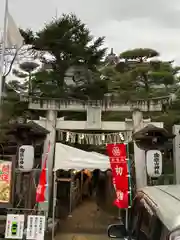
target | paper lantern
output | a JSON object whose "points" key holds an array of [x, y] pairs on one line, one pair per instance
{"points": [[26, 158], [154, 163]]}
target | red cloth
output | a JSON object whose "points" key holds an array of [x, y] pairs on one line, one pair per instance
{"points": [[40, 192], [118, 162], [122, 200]]}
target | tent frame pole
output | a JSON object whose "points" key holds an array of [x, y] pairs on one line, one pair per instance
{"points": [[70, 195], [81, 185], [54, 204]]}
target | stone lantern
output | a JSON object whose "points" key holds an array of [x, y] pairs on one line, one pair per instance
{"points": [[153, 140], [152, 137]]}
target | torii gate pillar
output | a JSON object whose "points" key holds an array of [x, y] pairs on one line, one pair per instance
{"points": [[176, 153], [50, 125], [139, 154]]}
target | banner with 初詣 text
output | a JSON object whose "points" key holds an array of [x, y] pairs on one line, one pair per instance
{"points": [[118, 162]]}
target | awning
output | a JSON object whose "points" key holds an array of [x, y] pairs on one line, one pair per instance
{"points": [[67, 158], [100, 155]]}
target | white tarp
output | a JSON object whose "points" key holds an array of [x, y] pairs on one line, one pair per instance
{"points": [[67, 157], [100, 155]]}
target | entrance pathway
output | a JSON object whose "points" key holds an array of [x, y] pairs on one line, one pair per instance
{"points": [[82, 237], [87, 218], [87, 222]]}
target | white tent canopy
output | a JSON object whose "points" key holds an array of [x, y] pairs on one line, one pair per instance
{"points": [[67, 157], [99, 155]]}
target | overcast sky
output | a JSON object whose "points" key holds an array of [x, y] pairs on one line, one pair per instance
{"points": [[126, 24]]}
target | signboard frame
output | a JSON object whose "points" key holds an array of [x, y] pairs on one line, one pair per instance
{"points": [[18, 220], [40, 214], [12, 159], [33, 232]]}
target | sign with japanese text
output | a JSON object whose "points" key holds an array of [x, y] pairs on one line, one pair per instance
{"points": [[118, 162], [14, 226], [26, 158], [154, 163], [5, 181], [35, 227]]}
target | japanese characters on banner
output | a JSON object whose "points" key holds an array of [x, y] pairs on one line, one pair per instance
{"points": [[35, 227], [14, 226], [118, 161], [5, 181]]}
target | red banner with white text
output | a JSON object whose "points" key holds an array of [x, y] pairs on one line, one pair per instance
{"points": [[118, 161]]}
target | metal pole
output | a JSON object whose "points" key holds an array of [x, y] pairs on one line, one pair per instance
{"points": [[119, 213], [81, 185], [3, 48], [54, 204], [127, 219], [56, 14], [70, 196]]}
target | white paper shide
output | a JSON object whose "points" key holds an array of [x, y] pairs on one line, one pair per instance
{"points": [[14, 226], [26, 158], [154, 163], [35, 227]]}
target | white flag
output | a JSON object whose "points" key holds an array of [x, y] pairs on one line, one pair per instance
{"points": [[14, 37]]}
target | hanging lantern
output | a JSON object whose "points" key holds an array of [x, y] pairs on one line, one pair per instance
{"points": [[154, 163], [26, 158]]}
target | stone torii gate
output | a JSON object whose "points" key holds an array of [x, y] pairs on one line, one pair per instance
{"points": [[94, 111]]}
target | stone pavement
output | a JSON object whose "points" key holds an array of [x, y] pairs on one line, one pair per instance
{"points": [[87, 218], [87, 222], [82, 237]]}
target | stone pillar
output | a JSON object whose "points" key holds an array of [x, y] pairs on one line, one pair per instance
{"points": [[50, 125], [176, 153], [139, 154], [93, 117]]}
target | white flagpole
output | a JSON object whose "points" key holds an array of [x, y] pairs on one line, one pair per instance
{"points": [[4, 38], [56, 16]]}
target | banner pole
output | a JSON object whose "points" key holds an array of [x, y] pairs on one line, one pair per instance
{"points": [[54, 204], [119, 213], [70, 195], [4, 39], [127, 219]]}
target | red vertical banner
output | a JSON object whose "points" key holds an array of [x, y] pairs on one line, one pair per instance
{"points": [[40, 192], [118, 161], [42, 185]]}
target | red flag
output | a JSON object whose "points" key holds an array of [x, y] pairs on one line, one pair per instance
{"points": [[122, 199], [117, 151], [120, 173], [40, 192], [117, 156]]}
